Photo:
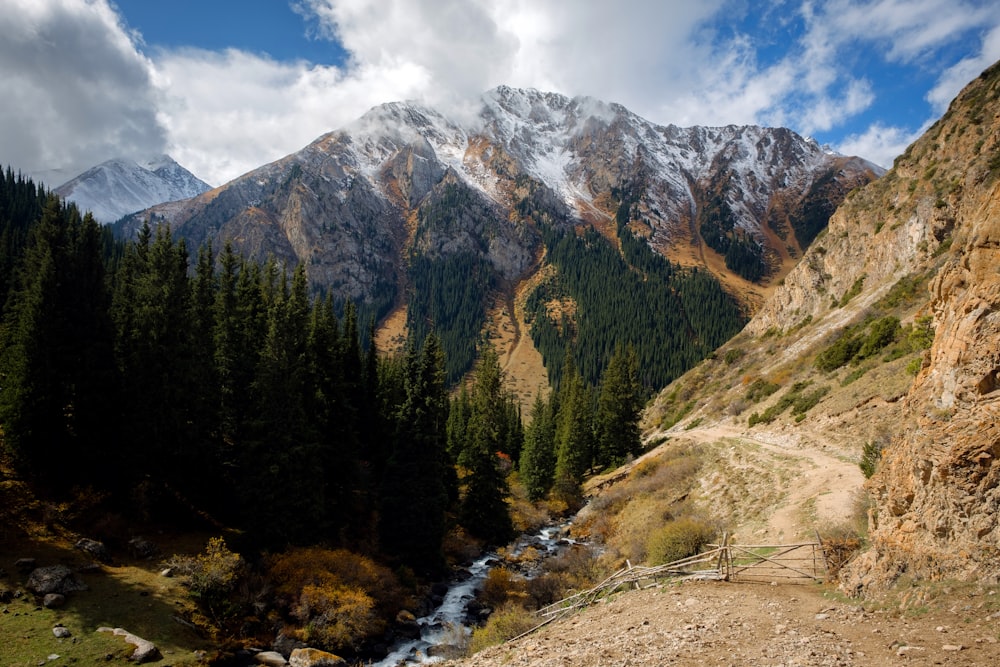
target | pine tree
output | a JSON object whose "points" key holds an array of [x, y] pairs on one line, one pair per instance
{"points": [[574, 433], [538, 458], [619, 408], [333, 415], [204, 381], [56, 359], [414, 497], [483, 511], [155, 351], [458, 426], [281, 463]]}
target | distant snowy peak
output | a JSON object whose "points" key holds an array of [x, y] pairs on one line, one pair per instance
{"points": [[121, 186]]}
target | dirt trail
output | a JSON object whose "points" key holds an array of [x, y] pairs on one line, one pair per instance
{"points": [[753, 624], [792, 484]]}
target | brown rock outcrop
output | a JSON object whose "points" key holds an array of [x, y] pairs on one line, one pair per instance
{"points": [[937, 491]]}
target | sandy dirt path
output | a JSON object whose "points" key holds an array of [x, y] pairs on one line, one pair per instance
{"points": [[791, 484]]}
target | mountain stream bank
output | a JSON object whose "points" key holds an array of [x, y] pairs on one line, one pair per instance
{"points": [[445, 631]]}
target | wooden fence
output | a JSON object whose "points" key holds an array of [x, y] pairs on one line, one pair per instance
{"points": [[803, 562]]}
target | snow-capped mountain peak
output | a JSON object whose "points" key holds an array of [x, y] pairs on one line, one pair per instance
{"points": [[121, 186]]}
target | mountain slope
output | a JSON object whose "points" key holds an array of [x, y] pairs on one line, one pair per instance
{"points": [[884, 338], [120, 186], [406, 198]]}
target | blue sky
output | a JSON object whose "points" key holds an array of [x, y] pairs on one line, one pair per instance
{"points": [[225, 86]]}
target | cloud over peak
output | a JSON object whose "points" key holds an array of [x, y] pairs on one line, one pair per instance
{"points": [[87, 87]]}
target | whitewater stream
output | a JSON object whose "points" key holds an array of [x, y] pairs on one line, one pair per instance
{"points": [[445, 626]]}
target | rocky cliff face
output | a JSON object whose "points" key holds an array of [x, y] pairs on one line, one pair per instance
{"points": [[938, 488], [349, 205], [933, 219]]}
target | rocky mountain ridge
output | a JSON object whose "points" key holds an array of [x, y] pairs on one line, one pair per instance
{"points": [[121, 186], [346, 204]]}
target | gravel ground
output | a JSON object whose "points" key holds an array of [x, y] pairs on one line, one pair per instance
{"points": [[755, 624]]}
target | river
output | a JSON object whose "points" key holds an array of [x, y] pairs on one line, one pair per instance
{"points": [[444, 630]]}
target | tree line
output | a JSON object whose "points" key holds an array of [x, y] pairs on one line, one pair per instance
{"points": [[222, 391]]}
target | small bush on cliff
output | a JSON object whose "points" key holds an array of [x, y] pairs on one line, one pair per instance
{"points": [[871, 456]]}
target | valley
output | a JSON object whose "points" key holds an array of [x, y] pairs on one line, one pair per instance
{"points": [[237, 395]]}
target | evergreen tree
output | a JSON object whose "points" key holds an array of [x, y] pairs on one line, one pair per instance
{"points": [[619, 408], [483, 511], [458, 426], [333, 415], [282, 463], [414, 497], [155, 347], [56, 360], [204, 381], [21, 205], [538, 458], [574, 433]]}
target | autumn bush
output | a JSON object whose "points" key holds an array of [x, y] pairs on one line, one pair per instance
{"points": [[678, 539], [214, 578], [502, 586], [504, 624], [629, 511], [334, 599]]}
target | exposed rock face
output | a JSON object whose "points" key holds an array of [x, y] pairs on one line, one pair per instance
{"points": [[937, 215], [939, 487]]}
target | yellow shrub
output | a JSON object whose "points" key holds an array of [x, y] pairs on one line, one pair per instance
{"points": [[216, 570], [500, 586], [339, 598], [506, 623], [337, 617], [678, 539]]}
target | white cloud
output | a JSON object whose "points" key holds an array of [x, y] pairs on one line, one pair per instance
{"points": [[957, 76], [76, 91], [906, 29], [828, 112], [231, 112], [879, 143], [88, 90]]}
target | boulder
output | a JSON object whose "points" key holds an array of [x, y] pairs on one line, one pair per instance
{"points": [[270, 659], [284, 644], [94, 548], [54, 579], [145, 650], [53, 600], [313, 657], [140, 547], [407, 625], [61, 632]]}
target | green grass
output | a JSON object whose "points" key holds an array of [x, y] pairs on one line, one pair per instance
{"points": [[28, 640], [134, 598]]}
